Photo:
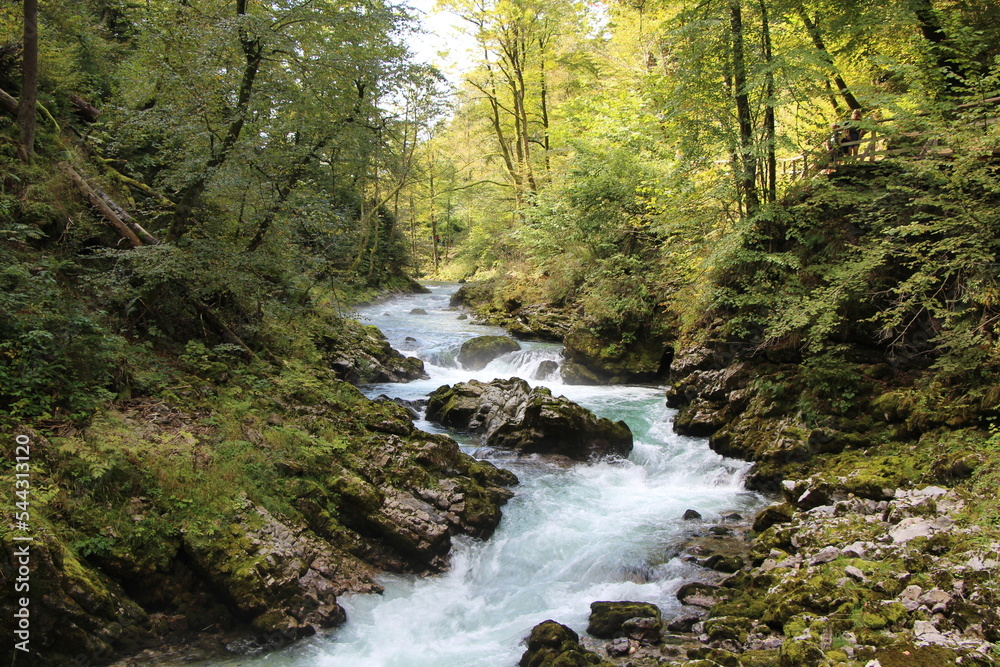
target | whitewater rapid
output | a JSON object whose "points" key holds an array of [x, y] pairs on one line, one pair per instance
{"points": [[570, 536]]}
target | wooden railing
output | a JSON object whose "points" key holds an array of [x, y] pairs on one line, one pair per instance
{"points": [[877, 145]]}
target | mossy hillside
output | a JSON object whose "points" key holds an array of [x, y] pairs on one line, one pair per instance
{"points": [[306, 429], [229, 471]]}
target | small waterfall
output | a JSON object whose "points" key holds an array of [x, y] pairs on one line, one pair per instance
{"points": [[540, 364]]}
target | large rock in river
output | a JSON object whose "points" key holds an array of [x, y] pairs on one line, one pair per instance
{"points": [[596, 359], [477, 352], [360, 354], [512, 415], [552, 644]]}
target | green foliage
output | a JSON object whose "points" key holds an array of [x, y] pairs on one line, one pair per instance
{"points": [[56, 359]]}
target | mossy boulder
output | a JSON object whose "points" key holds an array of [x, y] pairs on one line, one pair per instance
{"points": [[800, 653], [644, 358], [773, 515], [280, 578], [734, 628], [611, 619], [360, 354], [74, 610], [552, 644], [574, 373], [477, 352], [512, 415]]}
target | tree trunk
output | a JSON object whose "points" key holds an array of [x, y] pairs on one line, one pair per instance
{"points": [[494, 101], [747, 164], [817, 40], [771, 186], [941, 46], [284, 190], [544, 93], [27, 109], [124, 230], [8, 103], [434, 229], [189, 197]]}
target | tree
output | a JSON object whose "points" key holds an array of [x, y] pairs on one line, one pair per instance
{"points": [[27, 107]]}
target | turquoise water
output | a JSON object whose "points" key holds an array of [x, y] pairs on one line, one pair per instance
{"points": [[570, 536]]}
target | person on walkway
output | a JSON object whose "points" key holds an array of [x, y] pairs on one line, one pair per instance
{"points": [[833, 149], [851, 141]]}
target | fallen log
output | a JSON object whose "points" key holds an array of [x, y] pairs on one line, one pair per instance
{"points": [[8, 103], [109, 214], [84, 109]]}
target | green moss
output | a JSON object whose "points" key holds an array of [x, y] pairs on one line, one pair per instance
{"points": [[606, 618], [869, 620], [800, 653]]}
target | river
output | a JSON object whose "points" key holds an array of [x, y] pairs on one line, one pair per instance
{"points": [[570, 535]]}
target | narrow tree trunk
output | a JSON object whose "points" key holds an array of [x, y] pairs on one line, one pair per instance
{"points": [[817, 39], [189, 197], [517, 56], [771, 186], [434, 229], [748, 163], [27, 109], [543, 94], [284, 190], [413, 226]]}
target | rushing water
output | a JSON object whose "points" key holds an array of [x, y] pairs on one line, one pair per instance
{"points": [[570, 536]]}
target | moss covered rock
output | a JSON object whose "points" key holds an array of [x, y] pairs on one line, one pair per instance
{"points": [[512, 415], [477, 352], [360, 354], [74, 610], [800, 653], [608, 619], [552, 644], [643, 358]]}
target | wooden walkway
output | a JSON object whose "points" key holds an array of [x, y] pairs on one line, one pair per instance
{"points": [[877, 144]]}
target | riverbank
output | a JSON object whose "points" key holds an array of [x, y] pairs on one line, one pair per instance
{"points": [[240, 505], [814, 349]]}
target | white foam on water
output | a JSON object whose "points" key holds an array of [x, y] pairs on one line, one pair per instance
{"points": [[569, 537]]}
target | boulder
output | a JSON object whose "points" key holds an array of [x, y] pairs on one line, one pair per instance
{"points": [[683, 623], [646, 358], [698, 594], [360, 354], [552, 644], [800, 653], [540, 322], [511, 415], [636, 620], [726, 552], [574, 373], [545, 369], [772, 515], [75, 610], [280, 577], [477, 352]]}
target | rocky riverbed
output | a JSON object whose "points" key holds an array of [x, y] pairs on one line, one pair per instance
{"points": [[833, 579]]}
